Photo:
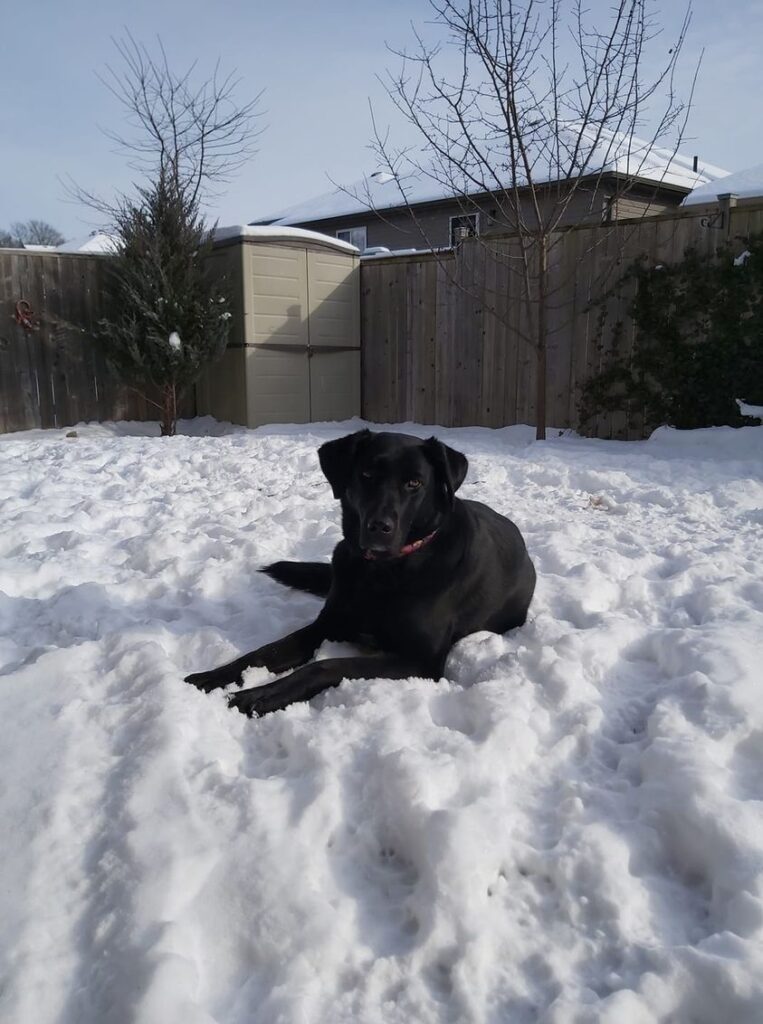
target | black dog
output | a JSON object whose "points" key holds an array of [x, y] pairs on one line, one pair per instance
{"points": [[417, 570]]}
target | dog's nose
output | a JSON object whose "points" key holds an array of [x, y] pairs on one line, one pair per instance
{"points": [[380, 526]]}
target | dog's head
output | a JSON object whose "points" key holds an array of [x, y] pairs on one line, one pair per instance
{"points": [[395, 489]]}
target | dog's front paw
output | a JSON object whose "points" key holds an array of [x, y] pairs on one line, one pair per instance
{"points": [[244, 701], [257, 701], [214, 679]]}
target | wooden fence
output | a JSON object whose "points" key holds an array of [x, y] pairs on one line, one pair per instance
{"points": [[55, 374], [442, 334]]}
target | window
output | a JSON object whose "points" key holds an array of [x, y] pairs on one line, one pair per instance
{"points": [[355, 236], [464, 226]]}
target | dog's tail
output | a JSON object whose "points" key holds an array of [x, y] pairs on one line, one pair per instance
{"points": [[313, 577]]}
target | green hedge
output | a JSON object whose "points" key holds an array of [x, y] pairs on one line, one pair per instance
{"points": [[698, 343]]}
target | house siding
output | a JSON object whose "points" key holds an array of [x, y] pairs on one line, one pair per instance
{"points": [[396, 229]]}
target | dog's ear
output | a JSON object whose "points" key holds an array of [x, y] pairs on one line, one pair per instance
{"points": [[450, 466], [336, 459]]}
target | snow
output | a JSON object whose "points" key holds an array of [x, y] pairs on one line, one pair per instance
{"points": [[284, 234], [568, 830], [381, 253], [98, 242], [750, 410], [606, 152], [747, 184], [626, 154]]}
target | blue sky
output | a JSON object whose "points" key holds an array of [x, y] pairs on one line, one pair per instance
{"points": [[317, 63]]}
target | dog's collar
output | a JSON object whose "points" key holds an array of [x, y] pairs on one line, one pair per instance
{"points": [[407, 549]]}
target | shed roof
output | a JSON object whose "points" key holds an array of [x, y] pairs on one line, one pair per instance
{"points": [[746, 184], [279, 233]]}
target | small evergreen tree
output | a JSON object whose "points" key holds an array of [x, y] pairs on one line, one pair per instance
{"points": [[171, 315], [698, 344]]}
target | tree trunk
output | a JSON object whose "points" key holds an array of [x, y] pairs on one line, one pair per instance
{"points": [[540, 398], [169, 410]]}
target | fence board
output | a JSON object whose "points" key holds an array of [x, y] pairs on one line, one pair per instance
{"points": [[422, 331], [445, 297], [491, 384]]}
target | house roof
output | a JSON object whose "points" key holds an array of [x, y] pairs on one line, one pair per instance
{"points": [[613, 154], [746, 184], [96, 242]]}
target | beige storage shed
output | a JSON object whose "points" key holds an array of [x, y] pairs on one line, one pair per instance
{"points": [[294, 349]]}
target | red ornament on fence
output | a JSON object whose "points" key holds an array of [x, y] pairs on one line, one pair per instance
{"points": [[25, 316]]}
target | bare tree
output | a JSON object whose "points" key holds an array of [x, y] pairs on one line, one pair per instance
{"points": [[8, 240], [31, 232], [187, 135], [183, 128], [524, 106]]}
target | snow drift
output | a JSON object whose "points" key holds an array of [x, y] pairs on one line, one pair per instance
{"points": [[570, 829]]}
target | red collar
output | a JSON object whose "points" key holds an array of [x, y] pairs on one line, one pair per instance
{"points": [[407, 549]]}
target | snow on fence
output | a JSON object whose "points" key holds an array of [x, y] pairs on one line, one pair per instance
{"points": [[441, 333]]}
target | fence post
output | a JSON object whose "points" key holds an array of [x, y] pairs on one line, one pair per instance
{"points": [[728, 201]]}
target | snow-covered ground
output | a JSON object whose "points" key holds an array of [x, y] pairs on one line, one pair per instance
{"points": [[568, 830]]}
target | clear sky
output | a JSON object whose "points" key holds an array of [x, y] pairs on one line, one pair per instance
{"points": [[317, 63]]}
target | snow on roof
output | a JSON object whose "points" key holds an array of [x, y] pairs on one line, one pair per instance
{"points": [[96, 242], [611, 152], [617, 153], [379, 191], [280, 233], [746, 184]]}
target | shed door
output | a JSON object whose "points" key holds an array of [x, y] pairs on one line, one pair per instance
{"points": [[303, 335], [277, 364], [334, 335]]}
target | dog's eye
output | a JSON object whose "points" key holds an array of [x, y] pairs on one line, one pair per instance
{"points": [[412, 485]]}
